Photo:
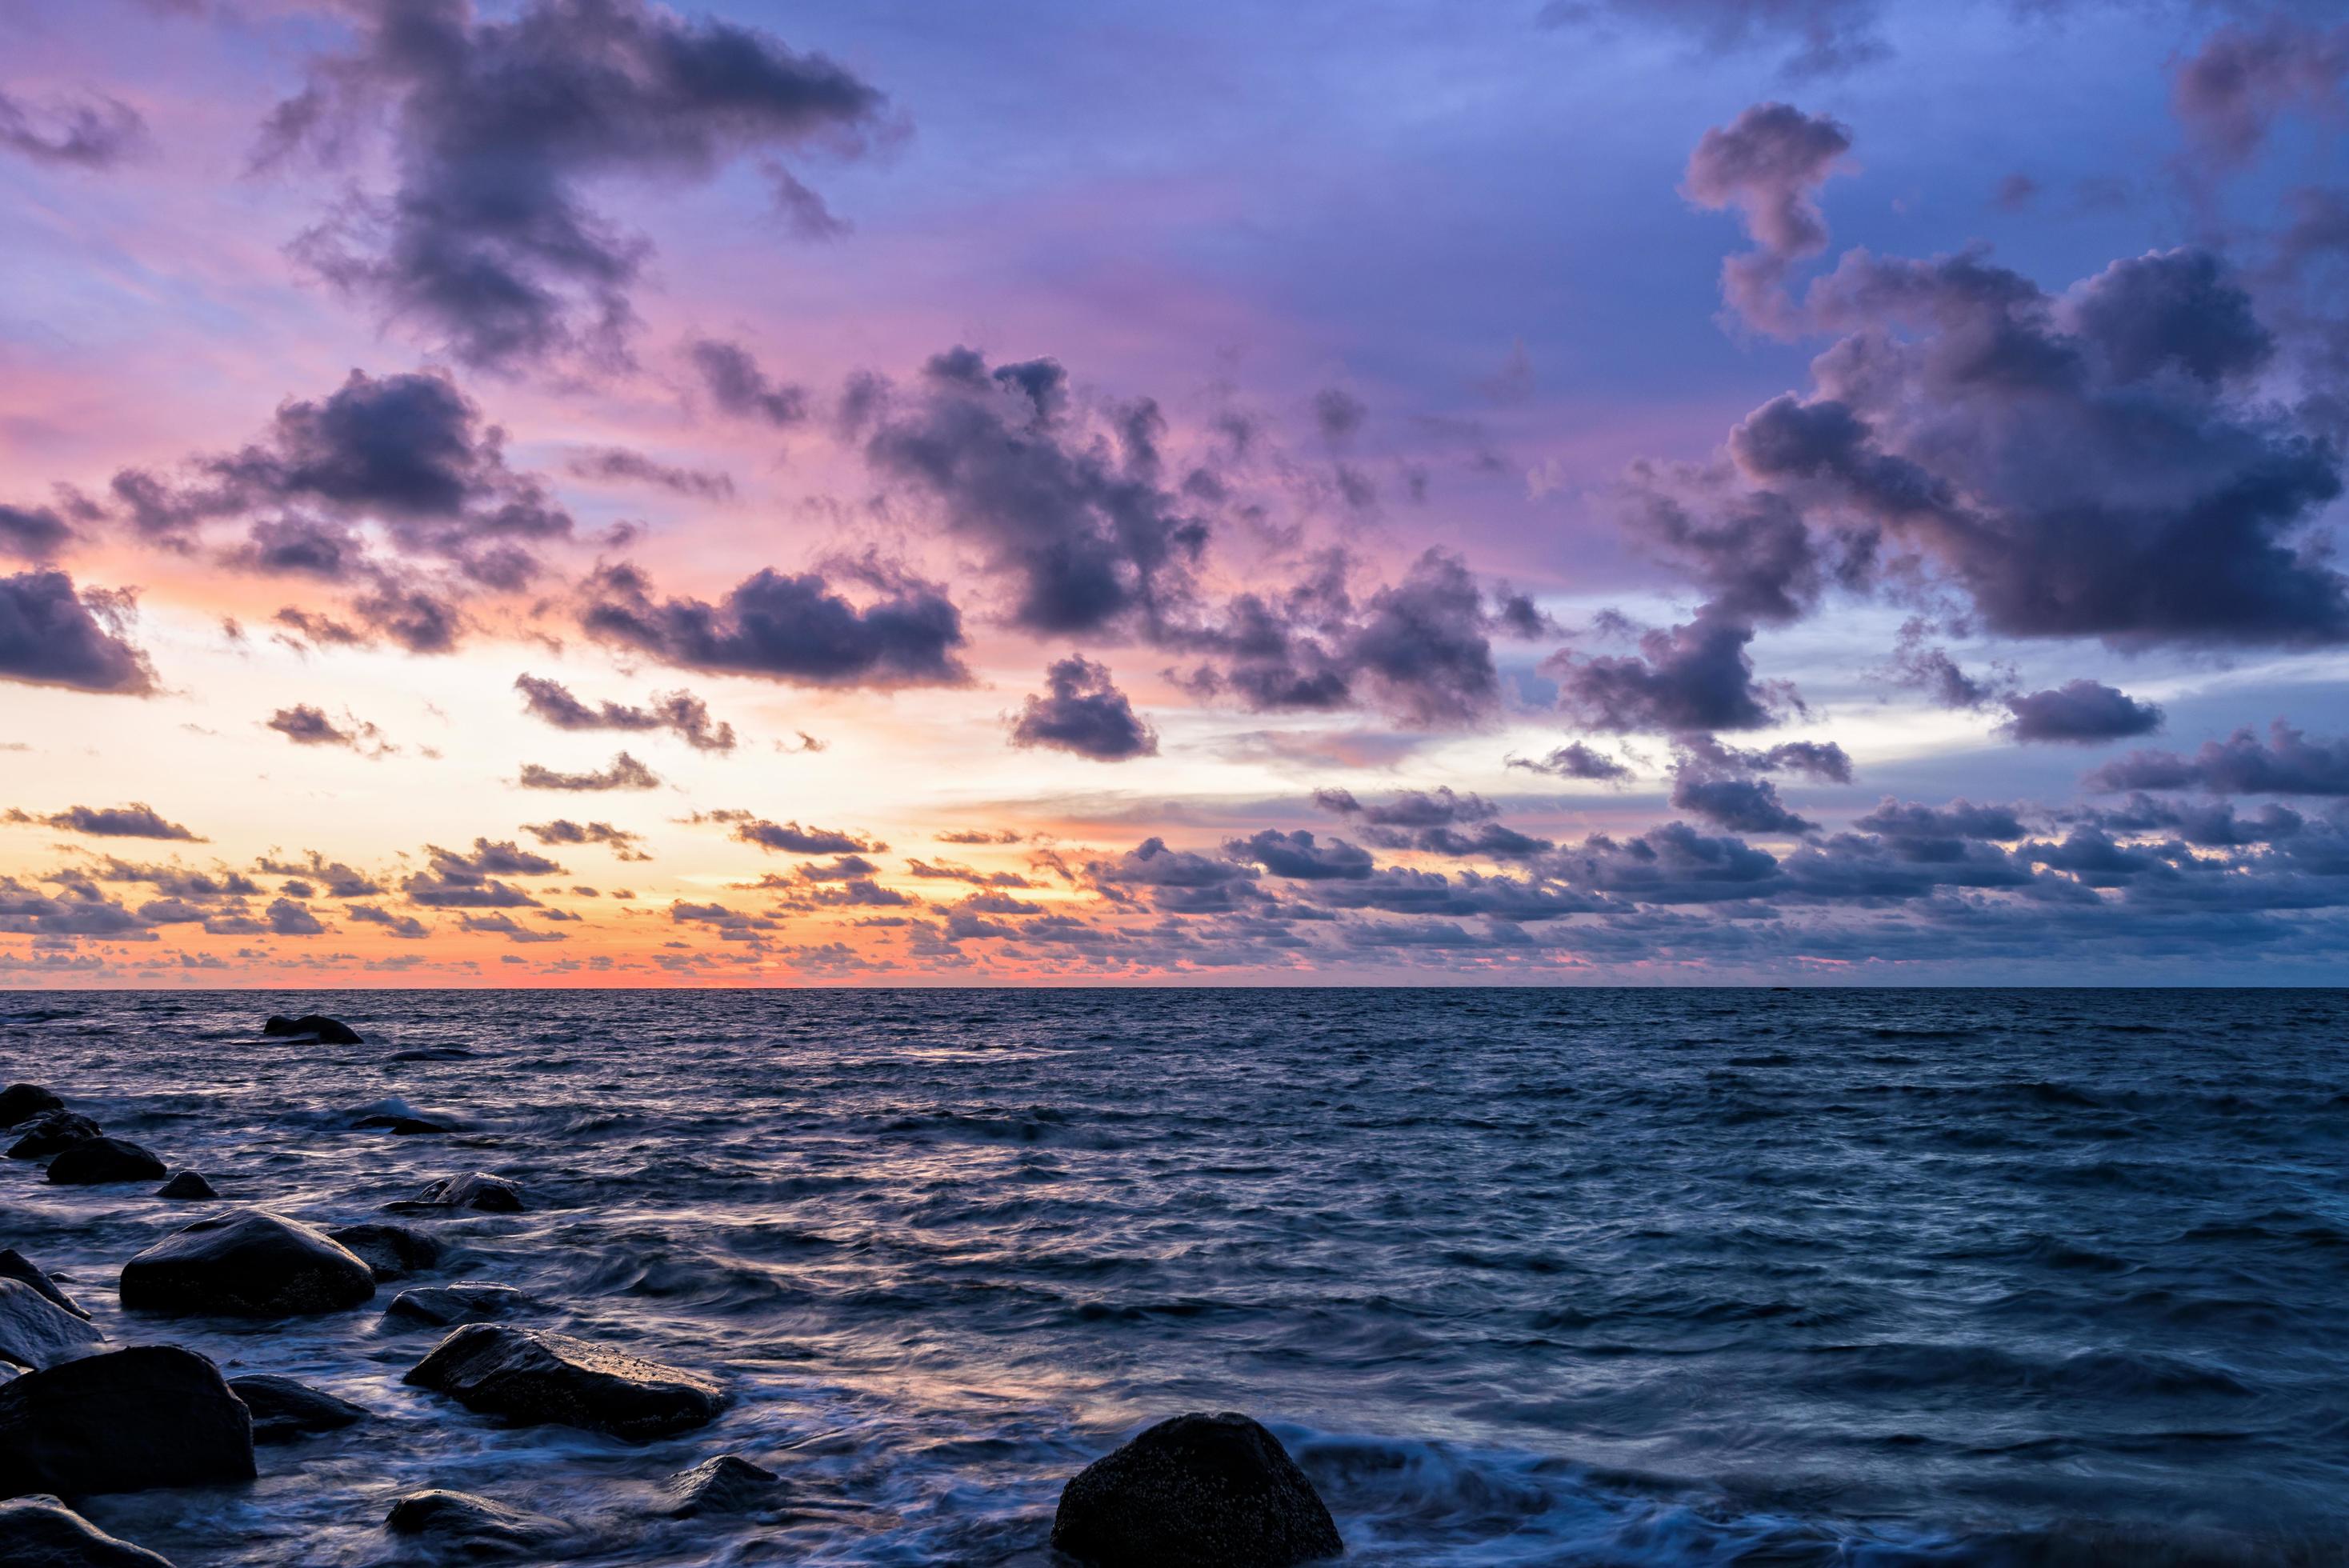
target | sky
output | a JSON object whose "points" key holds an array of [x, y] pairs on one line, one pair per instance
{"points": [[1556, 491]]}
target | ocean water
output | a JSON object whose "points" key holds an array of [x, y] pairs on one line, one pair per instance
{"points": [[1520, 1277]]}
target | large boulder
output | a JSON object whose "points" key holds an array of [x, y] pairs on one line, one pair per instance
{"points": [[24, 1101], [42, 1533], [284, 1410], [96, 1160], [14, 1265], [467, 1301], [316, 1026], [393, 1251], [727, 1484], [531, 1377], [152, 1416], [47, 1133], [459, 1524], [247, 1263], [1196, 1491], [36, 1332], [476, 1190]]}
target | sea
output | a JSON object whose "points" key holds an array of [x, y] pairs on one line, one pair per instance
{"points": [[1519, 1276]]}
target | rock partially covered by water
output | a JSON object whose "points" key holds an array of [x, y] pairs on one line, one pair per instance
{"points": [[39, 1532], [96, 1160], [458, 1524], [187, 1185], [313, 1025], [22, 1101], [247, 1263], [1196, 1491], [727, 1484], [152, 1416], [531, 1377], [393, 1251], [467, 1301], [15, 1266], [284, 1410], [36, 1332], [47, 1133], [475, 1190], [398, 1126]]}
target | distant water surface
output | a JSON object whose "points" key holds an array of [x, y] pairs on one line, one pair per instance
{"points": [[1520, 1276]]}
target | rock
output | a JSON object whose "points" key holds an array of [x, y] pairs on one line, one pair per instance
{"points": [[1196, 1491], [475, 1190], [531, 1377], [315, 1025], [94, 1161], [36, 1332], [24, 1101], [467, 1301], [247, 1263], [284, 1410], [462, 1524], [186, 1184], [727, 1484], [152, 1416], [393, 1251], [14, 1265], [398, 1126], [50, 1132], [39, 1532]]}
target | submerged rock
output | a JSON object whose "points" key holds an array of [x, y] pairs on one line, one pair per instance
{"points": [[36, 1332], [247, 1263], [53, 1130], [476, 1190], [393, 1251], [284, 1410], [313, 1025], [459, 1523], [1195, 1491], [727, 1484], [467, 1301], [398, 1126], [24, 1101], [39, 1532], [152, 1416], [95, 1161], [186, 1184], [15, 1266], [531, 1377]]}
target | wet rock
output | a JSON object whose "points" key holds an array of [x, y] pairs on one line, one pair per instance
{"points": [[247, 1263], [727, 1484], [36, 1332], [398, 1126], [152, 1416], [1196, 1491], [39, 1532], [313, 1025], [24, 1101], [476, 1190], [461, 1524], [393, 1251], [531, 1377], [94, 1161], [284, 1411], [467, 1301], [50, 1132], [15, 1266], [186, 1184]]}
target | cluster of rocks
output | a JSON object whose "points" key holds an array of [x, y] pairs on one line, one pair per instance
{"points": [[78, 1151]]}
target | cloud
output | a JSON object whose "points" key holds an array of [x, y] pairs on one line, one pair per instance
{"points": [[736, 384], [1695, 676], [137, 820], [32, 533], [1084, 712], [1299, 856], [793, 838], [1828, 36], [1768, 164], [623, 845], [1339, 414], [1439, 807], [406, 927], [52, 635], [488, 241], [1741, 805], [93, 133], [457, 880], [2287, 763], [678, 711], [287, 918], [624, 773], [1575, 760], [306, 726], [2080, 712], [2230, 92], [621, 465], [789, 628]]}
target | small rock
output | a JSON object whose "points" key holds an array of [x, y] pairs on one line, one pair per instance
{"points": [[727, 1484], [398, 1126], [50, 1132], [393, 1251], [36, 1332], [1196, 1491], [284, 1410], [459, 1523], [531, 1377], [315, 1025], [247, 1263], [39, 1532], [475, 1190], [94, 1161], [186, 1184], [152, 1416], [14, 1265], [467, 1301], [24, 1101]]}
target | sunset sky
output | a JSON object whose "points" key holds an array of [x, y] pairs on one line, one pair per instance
{"points": [[588, 492]]}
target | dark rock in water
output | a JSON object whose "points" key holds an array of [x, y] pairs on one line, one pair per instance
{"points": [[39, 1532], [475, 1190], [96, 1159], [247, 1263], [284, 1410], [315, 1025], [531, 1377], [50, 1132], [14, 1265], [727, 1484], [24, 1101], [152, 1416], [467, 1301], [433, 1054], [1196, 1491], [400, 1126], [36, 1332], [459, 1523], [186, 1184], [393, 1251]]}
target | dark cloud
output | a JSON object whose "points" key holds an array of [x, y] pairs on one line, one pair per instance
{"points": [[1082, 711], [52, 635], [624, 773], [1741, 805], [91, 132], [1298, 856], [32, 533], [735, 383], [618, 464], [1940, 833], [1691, 677], [1442, 807], [1338, 414], [457, 880], [340, 880], [488, 241], [950, 871], [406, 927], [2286, 763], [791, 838], [287, 918], [795, 629], [624, 845], [1575, 759], [306, 726], [1826, 36], [680, 712], [1768, 164], [2080, 712], [2230, 92], [1823, 760], [137, 820]]}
